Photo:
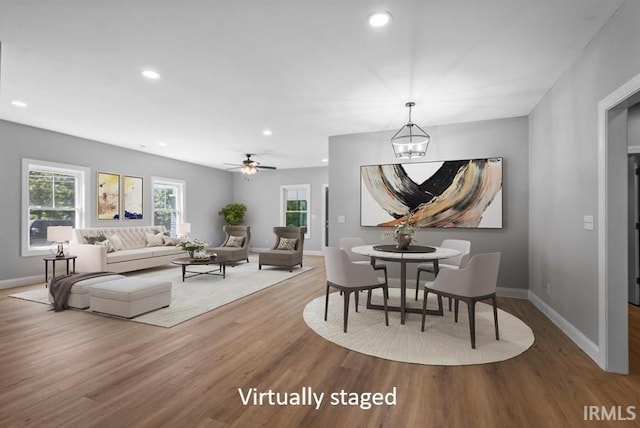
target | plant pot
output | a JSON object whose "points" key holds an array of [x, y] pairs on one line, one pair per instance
{"points": [[404, 240]]}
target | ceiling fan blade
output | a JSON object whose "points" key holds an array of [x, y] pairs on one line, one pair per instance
{"points": [[265, 167]]}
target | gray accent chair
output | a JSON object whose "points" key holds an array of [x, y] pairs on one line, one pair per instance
{"points": [[284, 258], [235, 254]]}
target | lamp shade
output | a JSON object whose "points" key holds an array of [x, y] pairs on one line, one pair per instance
{"points": [[183, 228], [59, 233]]}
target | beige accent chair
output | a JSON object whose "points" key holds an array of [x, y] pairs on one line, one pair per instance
{"points": [[235, 254], [284, 258], [350, 278], [477, 281]]}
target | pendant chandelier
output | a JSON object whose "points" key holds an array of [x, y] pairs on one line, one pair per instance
{"points": [[411, 140]]}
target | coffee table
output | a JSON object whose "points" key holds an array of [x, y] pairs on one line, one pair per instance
{"points": [[213, 259]]}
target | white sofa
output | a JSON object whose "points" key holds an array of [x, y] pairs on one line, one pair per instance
{"points": [[135, 255]]}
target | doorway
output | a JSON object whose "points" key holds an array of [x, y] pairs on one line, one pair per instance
{"points": [[613, 227]]}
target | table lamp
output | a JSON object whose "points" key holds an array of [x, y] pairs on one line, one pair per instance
{"points": [[183, 229], [59, 235]]}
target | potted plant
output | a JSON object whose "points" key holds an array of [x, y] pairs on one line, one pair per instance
{"points": [[233, 214], [403, 232]]}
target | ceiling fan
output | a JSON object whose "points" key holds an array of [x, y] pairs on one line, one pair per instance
{"points": [[249, 166]]}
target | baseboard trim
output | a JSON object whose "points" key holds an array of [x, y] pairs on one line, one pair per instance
{"points": [[19, 282], [514, 293], [589, 348]]}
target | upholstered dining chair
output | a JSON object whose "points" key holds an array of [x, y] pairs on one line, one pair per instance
{"points": [[472, 283], [346, 244], [350, 277], [451, 263]]}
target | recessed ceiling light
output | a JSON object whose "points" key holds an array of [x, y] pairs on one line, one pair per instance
{"points": [[19, 103], [325, 160], [162, 144], [267, 132], [379, 19], [151, 74]]}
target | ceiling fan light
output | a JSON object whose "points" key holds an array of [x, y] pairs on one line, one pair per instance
{"points": [[248, 169]]}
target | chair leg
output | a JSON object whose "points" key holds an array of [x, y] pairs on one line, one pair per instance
{"points": [[355, 301], [326, 304], [385, 293], [449, 304], [495, 316], [471, 306], [424, 308], [455, 306], [418, 283], [346, 309], [259, 267]]}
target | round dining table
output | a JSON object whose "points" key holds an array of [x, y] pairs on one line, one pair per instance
{"points": [[414, 254]]}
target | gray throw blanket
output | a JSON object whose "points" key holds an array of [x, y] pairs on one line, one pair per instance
{"points": [[60, 287]]}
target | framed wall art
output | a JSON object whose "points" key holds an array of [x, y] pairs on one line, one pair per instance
{"points": [[457, 193], [108, 196], [132, 197]]}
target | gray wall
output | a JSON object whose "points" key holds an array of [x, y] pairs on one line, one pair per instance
{"points": [[261, 194], [506, 138], [207, 189], [633, 125], [564, 163]]}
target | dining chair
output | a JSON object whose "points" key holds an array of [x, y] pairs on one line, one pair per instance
{"points": [[350, 277], [472, 283], [346, 244], [451, 263]]}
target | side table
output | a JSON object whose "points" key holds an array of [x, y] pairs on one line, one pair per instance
{"points": [[53, 261]]}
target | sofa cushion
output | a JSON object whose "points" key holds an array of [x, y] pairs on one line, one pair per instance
{"points": [[132, 254], [82, 287], [129, 289], [167, 251]]}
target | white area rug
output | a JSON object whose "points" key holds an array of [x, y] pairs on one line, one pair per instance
{"points": [[443, 342], [199, 294]]}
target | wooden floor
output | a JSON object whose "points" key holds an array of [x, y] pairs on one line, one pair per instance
{"points": [[74, 369]]}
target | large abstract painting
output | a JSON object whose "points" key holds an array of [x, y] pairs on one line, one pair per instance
{"points": [[458, 193], [132, 197], [108, 196]]}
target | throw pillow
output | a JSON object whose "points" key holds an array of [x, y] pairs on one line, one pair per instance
{"points": [[287, 244], [106, 243], [116, 242], [91, 240], [235, 241], [156, 240], [170, 242]]}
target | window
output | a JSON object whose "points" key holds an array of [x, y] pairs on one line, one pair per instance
{"points": [[52, 195], [168, 203], [295, 206]]}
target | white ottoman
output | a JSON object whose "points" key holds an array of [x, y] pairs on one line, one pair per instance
{"points": [[79, 294], [129, 297]]}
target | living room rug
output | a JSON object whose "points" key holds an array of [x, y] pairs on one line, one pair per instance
{"points": [[443, 343], [198, 295]]}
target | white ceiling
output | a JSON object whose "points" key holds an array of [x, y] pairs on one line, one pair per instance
{"points": [[306, 69]]}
